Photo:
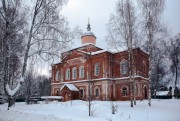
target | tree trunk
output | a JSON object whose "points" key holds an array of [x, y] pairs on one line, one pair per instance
{"points": [[130, 75]]}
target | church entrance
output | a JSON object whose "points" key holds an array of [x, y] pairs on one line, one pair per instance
{"points": [[145, 93]]}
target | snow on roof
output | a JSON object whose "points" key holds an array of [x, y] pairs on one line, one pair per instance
{"points": [[88, 33], [84, 81], [70, 86], [94, 53], [116, 50], [161, 93], [51, 97], [127, 77], [83, 52], [83, 45], [98, 52]]}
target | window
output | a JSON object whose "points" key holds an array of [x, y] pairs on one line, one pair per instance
{"points": [[57, 93], [124, 67], [74, 73], [57, 76], [137, 90], [124, 91], [144, 66], [96, 69], [81, 92], [81, 72], [97, 91], [68, 73]]}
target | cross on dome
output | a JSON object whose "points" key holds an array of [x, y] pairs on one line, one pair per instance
{"points": [[88, 26], [88, 20]]}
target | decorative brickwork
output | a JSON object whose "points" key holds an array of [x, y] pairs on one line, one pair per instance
{"points": [[99, 74], [109, 80]]}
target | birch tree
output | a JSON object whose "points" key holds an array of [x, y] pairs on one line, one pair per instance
{"points": [[47, 33], [12, 28], [160, 68], [152, 28], [48, 30], [122, 32], [174, 55], [44, 86], [29, 83], [12, 22]]}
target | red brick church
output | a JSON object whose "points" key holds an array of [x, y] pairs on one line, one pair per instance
{"points": [[103, 75]]}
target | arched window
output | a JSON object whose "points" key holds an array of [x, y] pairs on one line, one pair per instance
{"points": [[68, 73], [137, 90], [124, 91], [81, 92], [124, 67], [145, 92], [74, 73], [144, 66], [58, 76], [57, 92], [97, 92], [81, 72], [96, 69]]}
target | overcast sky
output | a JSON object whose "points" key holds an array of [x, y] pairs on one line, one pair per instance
{"points": [[78, 11]]}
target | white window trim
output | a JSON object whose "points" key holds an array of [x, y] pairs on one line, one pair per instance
{"points": [[123, 68], [123, 91], [56, 90], [137, 89], [81, 72], [95, 91], [83, 91], [144, 66], [97, 69], [144, 88], [58, 76], [67, 74], [74, 75]]}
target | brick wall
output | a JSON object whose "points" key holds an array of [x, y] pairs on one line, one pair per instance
{"points": [[109, 68]]}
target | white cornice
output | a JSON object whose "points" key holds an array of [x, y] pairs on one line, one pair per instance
{"points": [[99, 79]]}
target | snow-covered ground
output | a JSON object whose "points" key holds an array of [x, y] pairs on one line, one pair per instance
{"points": [[161, 110]]}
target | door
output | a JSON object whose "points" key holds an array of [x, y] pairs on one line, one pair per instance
{"points": [[66, 96], [145, 93]]}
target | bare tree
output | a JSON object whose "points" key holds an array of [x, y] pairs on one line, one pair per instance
{"points": [[47, 33], [174, 55], [122, 32], [44, 85], [29, 83], [12, 22], [34, 85], [93, 109], [152, 28], [114, 107], [160, 68]]}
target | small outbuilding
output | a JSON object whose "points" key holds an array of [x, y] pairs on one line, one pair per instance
{"points": [[69, 92]]}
